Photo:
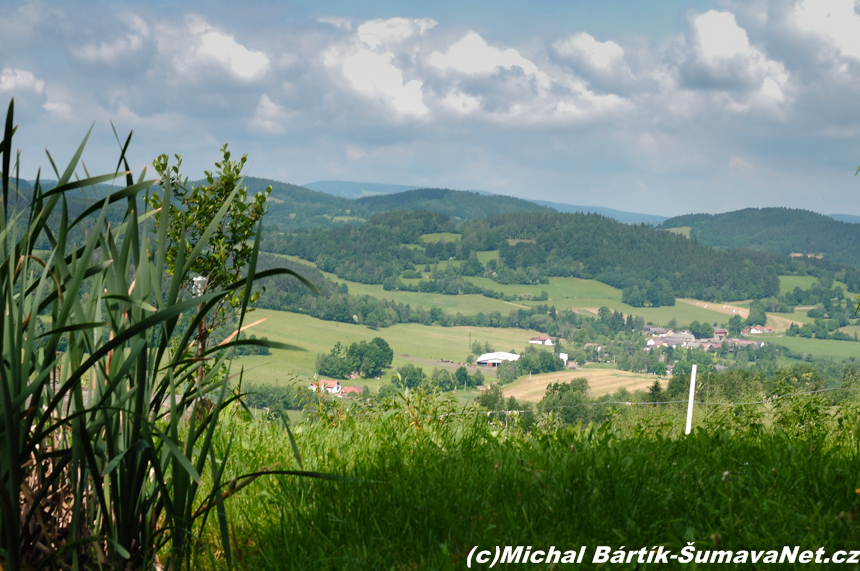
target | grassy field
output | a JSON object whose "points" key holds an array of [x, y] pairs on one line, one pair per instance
{"points": [[439, 236], [424, 346], [788, 283], [682, 230], [600, 382], [488, 255], [584, 296], [820, 348]]}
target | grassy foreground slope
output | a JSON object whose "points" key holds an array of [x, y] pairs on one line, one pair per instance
{"points": [[427, 486]]}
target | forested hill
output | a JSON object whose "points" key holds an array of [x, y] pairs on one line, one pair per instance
{"points": [[458, 204], [652, 266], [293, 207], [637, 258], [782, 230]]}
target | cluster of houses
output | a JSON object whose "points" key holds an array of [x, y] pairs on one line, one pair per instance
{"points": [[664, 337], [335, 388]]}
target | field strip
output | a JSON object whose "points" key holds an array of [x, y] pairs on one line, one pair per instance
{"points": [[600, 382], [718, 306]]}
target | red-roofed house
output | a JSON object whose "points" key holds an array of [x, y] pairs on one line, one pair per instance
{"points": [[347, 391], [332, 387]]}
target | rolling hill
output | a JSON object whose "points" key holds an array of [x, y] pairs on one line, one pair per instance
{"points": [[782, 230]]}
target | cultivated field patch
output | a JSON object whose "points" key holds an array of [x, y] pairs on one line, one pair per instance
{"points": [[600, 382]]}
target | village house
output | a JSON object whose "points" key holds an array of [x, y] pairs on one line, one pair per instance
{"points": [[493, 360], [347, 391], [563, 357], [680, 339], [657, 330], [743, 343], [720, 332], [548, 341], [757, 330], [331, 387]]}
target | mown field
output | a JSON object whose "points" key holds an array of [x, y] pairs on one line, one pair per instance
{"points": [[601, 381]]}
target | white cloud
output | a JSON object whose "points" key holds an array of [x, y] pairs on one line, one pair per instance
{"points": [[376, 76], [473, 56], [461, 102], [58, 109], [378, 33], [269, 117], [200, 44], [118, 50], [342, 23], [724, 60], [836, 21], [19, 80], [600, 55]]}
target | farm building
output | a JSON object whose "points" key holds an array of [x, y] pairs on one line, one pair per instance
{"points": [[493, 360], [357, 391], [332, 387], [548, 341]]}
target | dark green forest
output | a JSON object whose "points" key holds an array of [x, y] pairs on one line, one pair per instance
{"points": [[652, 265], [781, 230]]}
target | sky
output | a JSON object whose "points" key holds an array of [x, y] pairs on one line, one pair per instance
{"points": [[662, 107]]}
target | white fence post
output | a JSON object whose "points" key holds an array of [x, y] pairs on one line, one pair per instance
{"points": [[690, 403]]}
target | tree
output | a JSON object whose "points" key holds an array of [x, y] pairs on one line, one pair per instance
{"points": [[366, 358], [658, 368], [461, 375], [655, 393], [508, 372], [735, 325], [757, 314], [409, 376], [387, 352], [222, 252]]}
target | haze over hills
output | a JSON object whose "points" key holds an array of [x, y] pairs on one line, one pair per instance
{"points": [[619, 215], [782, 230], [350, 189], [458, 204]]}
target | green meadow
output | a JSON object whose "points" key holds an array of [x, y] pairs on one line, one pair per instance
{"points": [[819, 348], [587, 296], [788, 283], [422, 345], [439, 236]]}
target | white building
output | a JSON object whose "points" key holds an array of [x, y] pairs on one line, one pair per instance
{"points": [[493, 360], [548, 341], [332, 387]]}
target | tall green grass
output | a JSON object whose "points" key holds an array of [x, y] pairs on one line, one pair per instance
{"points": [[436, 484], [106, 430]]}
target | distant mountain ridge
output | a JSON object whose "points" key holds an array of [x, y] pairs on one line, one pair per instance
{"points": [[460, 205], [358, 190], [781, 230]]}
